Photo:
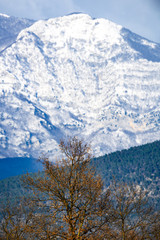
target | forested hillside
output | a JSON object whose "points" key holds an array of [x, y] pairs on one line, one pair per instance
{"points": [[139, 165]]}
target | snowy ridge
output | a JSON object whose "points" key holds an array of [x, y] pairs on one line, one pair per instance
{"points": [[4, 15], [75, 75], [10, 28]]}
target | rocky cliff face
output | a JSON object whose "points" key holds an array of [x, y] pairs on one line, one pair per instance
{"points": [[75, 75]]}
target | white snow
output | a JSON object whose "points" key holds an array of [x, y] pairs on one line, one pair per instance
{"points": [[75, 75], [4, 15], [149, 43]]}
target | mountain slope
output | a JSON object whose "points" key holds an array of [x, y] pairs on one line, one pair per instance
{"points": [[10, 28], [76, 75]]}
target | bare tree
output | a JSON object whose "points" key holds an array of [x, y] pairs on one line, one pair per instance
{"points": [[15, 220], [131, 215], [71, 193], [68, 201]]}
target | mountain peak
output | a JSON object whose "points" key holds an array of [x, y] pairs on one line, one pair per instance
{"points": [[76, 26], [75, 75]]}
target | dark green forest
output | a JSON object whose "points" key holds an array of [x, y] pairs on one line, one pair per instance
{"points": [[139, 165]]}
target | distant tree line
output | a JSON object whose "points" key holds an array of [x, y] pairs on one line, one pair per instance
{"points": [[70, 201], [138, 165]]}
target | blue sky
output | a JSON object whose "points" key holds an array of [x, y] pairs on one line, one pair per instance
{"points": [[140, 16]]}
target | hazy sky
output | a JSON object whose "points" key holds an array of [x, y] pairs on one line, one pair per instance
{"points": [[140, 16]]}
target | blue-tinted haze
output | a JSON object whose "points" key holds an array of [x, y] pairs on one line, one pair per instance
{"points": [[140, 16]]}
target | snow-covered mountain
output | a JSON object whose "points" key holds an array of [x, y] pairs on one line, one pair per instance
{"points": [[75, 75], [10, 28]]}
